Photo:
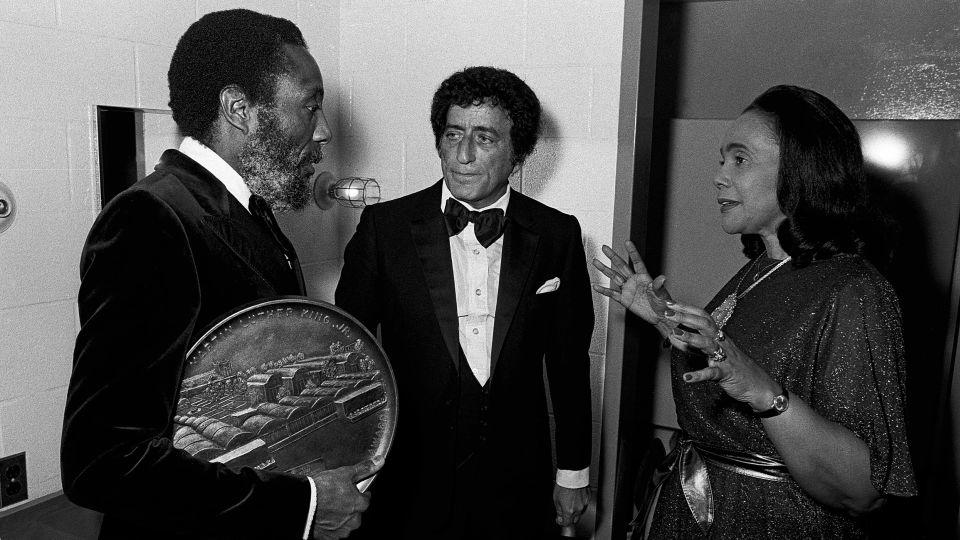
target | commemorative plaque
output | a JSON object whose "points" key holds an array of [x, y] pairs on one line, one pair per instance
{"points": [[288, 384]]}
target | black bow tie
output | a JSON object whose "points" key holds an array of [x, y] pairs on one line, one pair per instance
{"points": [[487, 225]]}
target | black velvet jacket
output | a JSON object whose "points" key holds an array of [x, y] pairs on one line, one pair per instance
{"points": [[165, 259]]}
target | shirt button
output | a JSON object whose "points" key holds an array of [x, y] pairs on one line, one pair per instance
{"points": [[477, 292], [476, 331], [476, 251]]}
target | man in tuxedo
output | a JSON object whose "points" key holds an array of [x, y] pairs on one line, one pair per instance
{"points": [[175, 253], [475, 288]]}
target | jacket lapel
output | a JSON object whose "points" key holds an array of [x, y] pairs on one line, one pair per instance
{"points": [[223, 216], [519, 251], [433, 248]]}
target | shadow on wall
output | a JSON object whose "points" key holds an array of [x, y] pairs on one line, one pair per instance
{"points": [[541, 166]]}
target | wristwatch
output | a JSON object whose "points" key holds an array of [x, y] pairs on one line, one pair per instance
{"points": [[780, 404]]}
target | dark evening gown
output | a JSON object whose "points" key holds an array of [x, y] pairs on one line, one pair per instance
{"points": [[831, 334]]}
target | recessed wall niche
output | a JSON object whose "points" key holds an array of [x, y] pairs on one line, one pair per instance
{"points": [[130, 142]]}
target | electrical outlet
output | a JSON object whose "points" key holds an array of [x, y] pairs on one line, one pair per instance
{"points": [[13, 479]]}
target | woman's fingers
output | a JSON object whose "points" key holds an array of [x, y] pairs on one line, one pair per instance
{"points": [[635, 259], [693, 318], [607, 291], [657, 284], [688, 309], [704, 325], [693, 339], [616, 261], [607, 271], [710, 373]]}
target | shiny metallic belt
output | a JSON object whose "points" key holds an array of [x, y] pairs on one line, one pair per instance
{"points": [[691, 457]]}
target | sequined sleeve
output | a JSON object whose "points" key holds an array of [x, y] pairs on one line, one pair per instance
{"points": [[860, 357]]}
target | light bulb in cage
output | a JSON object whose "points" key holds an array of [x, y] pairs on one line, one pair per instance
{"points": [[352, 192]]}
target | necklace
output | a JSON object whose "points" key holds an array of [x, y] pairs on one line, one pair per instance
{"points": [[722, 313], [758, 271]]}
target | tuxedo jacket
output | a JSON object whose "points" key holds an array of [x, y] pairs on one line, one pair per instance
{"points": [[398, 276], [165, 259]]}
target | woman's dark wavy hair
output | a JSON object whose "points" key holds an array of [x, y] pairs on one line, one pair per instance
{"points": [[495, 87], [234, 47], [821, 187]]}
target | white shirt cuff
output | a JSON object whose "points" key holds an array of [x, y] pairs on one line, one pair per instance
{"points": [[313, 510], [573, 479]]}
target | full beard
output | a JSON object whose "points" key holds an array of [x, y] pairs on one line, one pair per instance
{"points": [[271, 165]]}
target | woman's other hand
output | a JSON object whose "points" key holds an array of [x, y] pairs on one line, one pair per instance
{"points": [[633, 287], [736, 373]]}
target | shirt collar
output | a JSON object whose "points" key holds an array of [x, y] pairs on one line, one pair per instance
{"points": [[500, 203], [220, 169]]}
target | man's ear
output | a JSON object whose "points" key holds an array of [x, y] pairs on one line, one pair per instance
{"points": [[236, 109]]}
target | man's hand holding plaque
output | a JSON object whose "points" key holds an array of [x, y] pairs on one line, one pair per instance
{"points": [[339, 502]]}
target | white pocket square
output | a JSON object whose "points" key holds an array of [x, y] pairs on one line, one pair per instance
{"points": [[549, 285]]}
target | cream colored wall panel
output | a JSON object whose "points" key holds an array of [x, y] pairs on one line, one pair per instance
{"points": [[596, 381], [465, 33], [83, 196], [376, 158], [33, 144], [278, 8], [605, 102], [607, 45], [56, 75], [79, 148], [153, 61], [559, 31], [422, 162], [564, 93], [27, 427], [98, 71], [322, 278], [37, 348], [32, 12], [159, 22], [573, 175], [598, 343]]}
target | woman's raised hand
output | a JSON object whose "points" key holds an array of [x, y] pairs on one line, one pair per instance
{"points": [[633, 287], [736, 373]]}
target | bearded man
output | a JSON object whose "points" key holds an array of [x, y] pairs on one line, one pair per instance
{"points": [[176, 252]]}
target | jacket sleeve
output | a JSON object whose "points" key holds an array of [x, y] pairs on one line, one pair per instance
{"points": [[139, 301], [568, 356], [357, 290]]}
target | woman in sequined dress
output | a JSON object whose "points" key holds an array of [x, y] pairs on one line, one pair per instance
{"points": [[789, 385]]}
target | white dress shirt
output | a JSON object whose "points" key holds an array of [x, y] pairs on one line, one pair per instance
{"points": [[476, 280], [222, 171]]}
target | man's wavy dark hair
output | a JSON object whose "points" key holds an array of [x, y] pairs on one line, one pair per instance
{"points": [[480, 85], [234, 47], [822, 188]]}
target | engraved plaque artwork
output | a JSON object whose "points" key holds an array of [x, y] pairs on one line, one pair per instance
{"points": [[288, 384]]}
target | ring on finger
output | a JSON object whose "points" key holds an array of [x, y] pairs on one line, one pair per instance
{"points": [[718, 355]]}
